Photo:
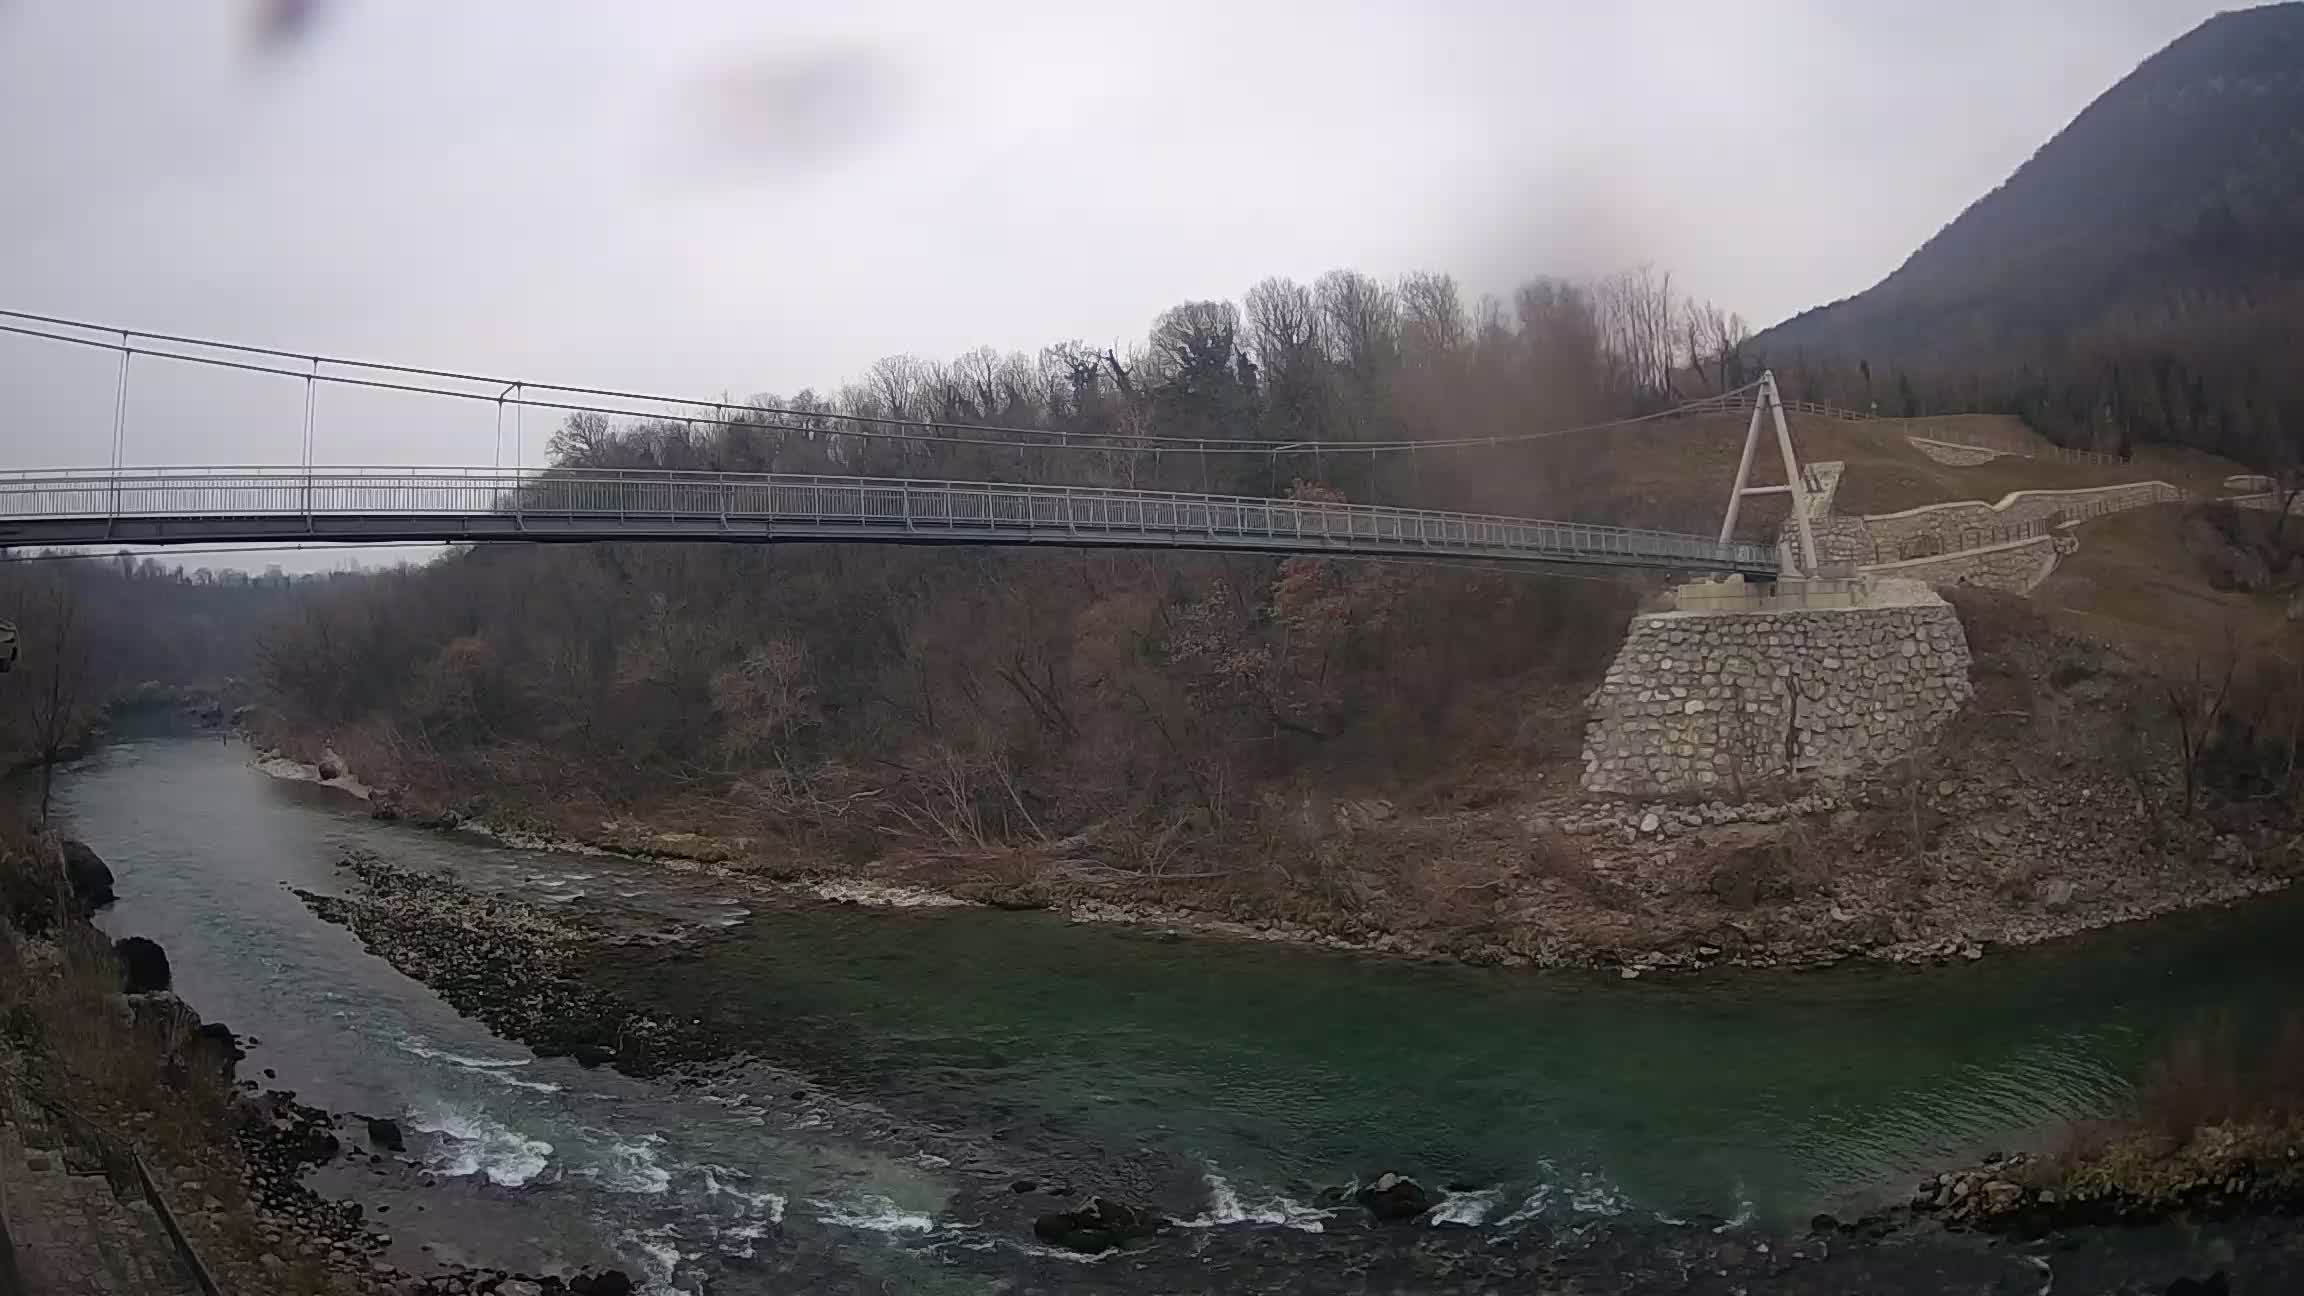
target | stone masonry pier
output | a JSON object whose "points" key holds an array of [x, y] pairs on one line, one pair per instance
{"points": [[1742, 684]]}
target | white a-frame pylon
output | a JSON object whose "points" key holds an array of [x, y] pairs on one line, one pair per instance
{"points": [[1765, 404]]}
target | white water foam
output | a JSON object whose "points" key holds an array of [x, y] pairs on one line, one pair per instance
{"points": [[757, 1213], [874, 1214], [1037, 1249], [1466, 1209], [629, 1166], [767, 1205], [423, 1050], [1590, 1194], [1534, 1207], [737, 1239], [470, 1143], [660, 1256], [1225, 1208], [1596, 1196], [533, 1086]]}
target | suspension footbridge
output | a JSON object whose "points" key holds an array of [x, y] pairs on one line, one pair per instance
{"points": [[123, 504]]}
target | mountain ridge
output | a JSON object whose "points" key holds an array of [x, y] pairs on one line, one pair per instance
{"points": [[2176, 197]]}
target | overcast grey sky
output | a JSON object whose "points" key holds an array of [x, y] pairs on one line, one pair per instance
{"points": [[756, 196]]}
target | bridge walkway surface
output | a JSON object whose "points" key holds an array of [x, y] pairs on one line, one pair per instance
{"points": [[226, 505]]}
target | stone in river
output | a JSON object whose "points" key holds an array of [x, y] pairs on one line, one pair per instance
{"points": [[386, 1135], [1099, 1226], [1394, 1197]]}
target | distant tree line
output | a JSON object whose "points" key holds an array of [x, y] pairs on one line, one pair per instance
{"points": [[1346, 359]]}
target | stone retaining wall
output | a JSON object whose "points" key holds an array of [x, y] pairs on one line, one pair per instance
{"points": [[1970, 523], [1844, 539], [1712, 702], [2016, 567]]}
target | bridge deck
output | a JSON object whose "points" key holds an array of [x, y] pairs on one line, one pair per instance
{"points": [[185, 505]]}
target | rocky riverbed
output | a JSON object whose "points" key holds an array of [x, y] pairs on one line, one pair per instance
{"points": [[523, 968], [513, 966]]}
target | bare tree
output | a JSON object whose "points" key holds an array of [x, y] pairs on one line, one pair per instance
{"points": [[1638, 333], [1433, 325], [1716, 338], [1283, 328], [2197, 708], [50, 687], [1361, 322]]}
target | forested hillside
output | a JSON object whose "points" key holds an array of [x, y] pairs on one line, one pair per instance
{"points": [[2141, 278], [968, 698]]}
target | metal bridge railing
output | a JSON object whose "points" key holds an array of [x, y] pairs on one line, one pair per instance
{"points": [[204, 502]]}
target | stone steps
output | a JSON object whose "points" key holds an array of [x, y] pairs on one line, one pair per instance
{"points": [[73, 1235]]}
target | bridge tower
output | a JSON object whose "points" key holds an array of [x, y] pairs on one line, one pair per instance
{"points": [[1767, 403]]}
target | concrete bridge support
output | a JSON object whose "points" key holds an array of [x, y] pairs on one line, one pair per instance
{"points": [[1745, 684]]}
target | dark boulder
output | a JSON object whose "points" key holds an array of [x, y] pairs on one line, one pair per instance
{"points": [[143, 965], [90, 880], [608, 1282], [1099, 1226], [592, 1055], [1394, 1197], [2214, 1284], [330, 767], [386, 1135], [307, 1141], [217, 1041]]}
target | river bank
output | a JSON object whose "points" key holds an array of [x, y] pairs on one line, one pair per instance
{"points": [[2060, 801], [1634, 888], [1342, 1234], [903, 1069]]}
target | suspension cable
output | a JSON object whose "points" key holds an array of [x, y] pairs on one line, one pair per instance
{"points": [[923, 430]]}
